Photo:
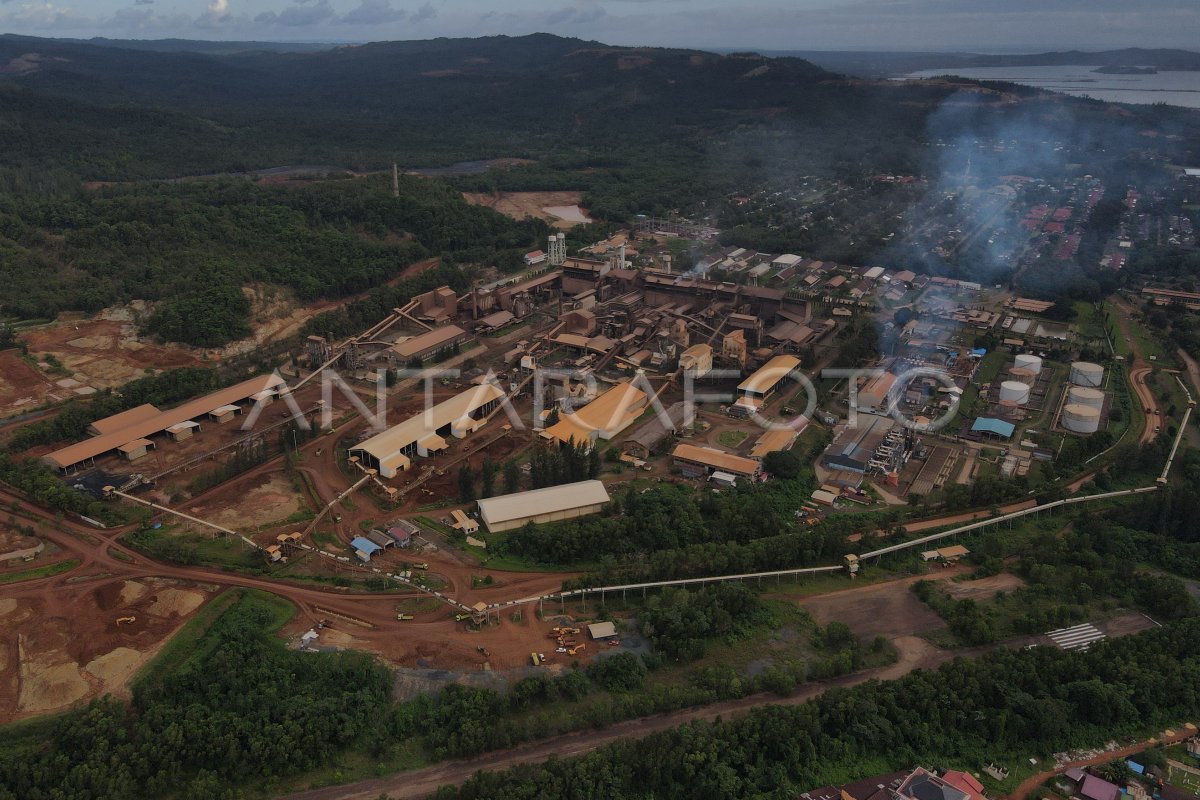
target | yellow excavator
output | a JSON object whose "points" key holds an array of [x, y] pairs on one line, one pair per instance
{"points": [[572, 651]]}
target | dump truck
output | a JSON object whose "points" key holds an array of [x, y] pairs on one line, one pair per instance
{"points": [[537, 662], [422, 565]]}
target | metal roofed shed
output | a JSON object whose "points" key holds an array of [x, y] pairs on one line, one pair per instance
{"points": [[993, 427], [602, 630], [364, 548], [136, 449], [768, 377], [462, 522], [224, 414], [696, 461], [392, 450], [143, 425], [605, 417], [429, 343], [123, 420], [551, 504]]}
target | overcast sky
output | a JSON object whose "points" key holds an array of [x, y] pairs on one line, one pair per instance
{"points": [[995, 25]]}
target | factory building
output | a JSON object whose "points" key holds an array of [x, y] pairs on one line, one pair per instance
{"points": [[869, 445], [696, 462], [128, 432], [603, 418], [697, 360], [763, 383], [551, 504], [392, 450], [680, 417], [429, 344]]}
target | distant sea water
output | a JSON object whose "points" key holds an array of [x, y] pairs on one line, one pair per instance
{"points": [[1172, 88]]}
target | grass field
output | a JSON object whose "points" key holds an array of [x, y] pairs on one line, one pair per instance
{"points": [[57, 568]]}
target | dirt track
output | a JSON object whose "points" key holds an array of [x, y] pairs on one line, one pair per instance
{"points": [[915, 653]]}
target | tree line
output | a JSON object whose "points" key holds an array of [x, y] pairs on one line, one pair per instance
{"points": [[999, 708]]}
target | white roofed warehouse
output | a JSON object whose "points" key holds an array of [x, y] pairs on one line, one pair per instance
{"points": [[393, 450], [552, 504], [767, 379]]}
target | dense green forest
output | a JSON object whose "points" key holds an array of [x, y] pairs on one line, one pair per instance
{"points": [[1002, 706], [195, 246]]}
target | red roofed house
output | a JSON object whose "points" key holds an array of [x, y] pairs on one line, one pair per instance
{"points": [[536, 257], [965, 782]]}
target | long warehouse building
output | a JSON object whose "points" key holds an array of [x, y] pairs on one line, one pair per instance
{"points": [[552, 504], [131, 429], [392, 450]]}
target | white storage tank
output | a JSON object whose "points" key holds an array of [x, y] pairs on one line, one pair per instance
{"points": [[1085, 396], [1030, 362], [1085, 373], [1022, 375], [1014, 392], [1081, 419]]}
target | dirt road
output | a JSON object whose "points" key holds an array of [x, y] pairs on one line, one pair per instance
{"points": [[915, 653], [1033, 782], [1139, 368]]}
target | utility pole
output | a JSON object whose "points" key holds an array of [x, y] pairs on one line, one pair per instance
{"points": [[395, 180]]}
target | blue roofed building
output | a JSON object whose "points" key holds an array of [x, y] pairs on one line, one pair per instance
{"points": [[990, 426], [364, 548]]}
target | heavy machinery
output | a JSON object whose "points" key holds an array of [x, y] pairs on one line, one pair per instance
{"points": [[403, 617], [573, 650], [125, 621], [483, 651], [461, 617], [422, 565], [534, 658], [564, 631]]}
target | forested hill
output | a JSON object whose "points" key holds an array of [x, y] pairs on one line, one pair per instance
{"points": [[422, 103]]}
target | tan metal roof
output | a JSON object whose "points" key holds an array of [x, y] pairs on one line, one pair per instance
{"points": [[773, 441], [769, 374], [126, 418], [717, 459], [552, 499], [99, 445], [136, 444], [431, 339], [610, 413]]}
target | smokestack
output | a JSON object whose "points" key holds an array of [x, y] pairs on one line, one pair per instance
{"points": [[395, 180]]}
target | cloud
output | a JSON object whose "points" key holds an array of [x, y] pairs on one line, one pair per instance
{"points": [[218, 8], [301, 14], [373, 12], [425, 12], [143, 2], [585, 12]]}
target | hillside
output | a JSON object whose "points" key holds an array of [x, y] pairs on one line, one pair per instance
{"points": [[145, 113]]}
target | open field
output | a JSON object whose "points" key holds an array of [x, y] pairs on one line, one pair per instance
{"points": [[63, 645], [558, 208], [103, 352], [888, 609], [23, 387]]}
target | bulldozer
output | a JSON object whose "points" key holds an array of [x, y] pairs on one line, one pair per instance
{"points": [[125, 621]]}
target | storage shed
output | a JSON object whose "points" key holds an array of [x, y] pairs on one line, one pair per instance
{"points": [[550, 504]]}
